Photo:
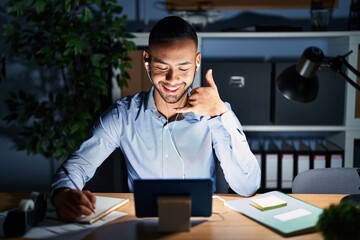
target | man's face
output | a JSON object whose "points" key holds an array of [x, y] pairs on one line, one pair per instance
{"points": [[172, 68]]}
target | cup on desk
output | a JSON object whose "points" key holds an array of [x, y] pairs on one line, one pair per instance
{"points": [[319, 19]]}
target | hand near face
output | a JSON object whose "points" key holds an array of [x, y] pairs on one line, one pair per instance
{"points": [[205, 101], [72, 204]]}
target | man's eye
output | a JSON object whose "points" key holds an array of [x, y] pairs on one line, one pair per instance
{"points": [[162, 68], [183, 69]]}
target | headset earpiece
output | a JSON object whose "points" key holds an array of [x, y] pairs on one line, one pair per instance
{"points": [[197, 66], [147, 66], [148, 71]]}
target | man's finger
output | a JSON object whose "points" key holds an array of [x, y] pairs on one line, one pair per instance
{"points": [[91, 197], [209, 79]]}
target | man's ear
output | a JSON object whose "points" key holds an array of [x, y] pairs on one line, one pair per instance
{"points": [[146, 59], [198, 61]]}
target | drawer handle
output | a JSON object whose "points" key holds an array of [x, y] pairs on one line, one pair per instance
{"points": [[237, 81]]}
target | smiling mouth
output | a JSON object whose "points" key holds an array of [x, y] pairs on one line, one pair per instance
{"points": [[171, 89]]}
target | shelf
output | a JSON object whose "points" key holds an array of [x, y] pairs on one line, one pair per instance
{"points": [[277, 128], [347, 34], [141, 38]]}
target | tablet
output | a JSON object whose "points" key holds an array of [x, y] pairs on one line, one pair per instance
{"points": [[146, 192]]}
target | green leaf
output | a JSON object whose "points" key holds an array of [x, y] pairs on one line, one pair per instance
{"points": [[87, 14], [40, 6], [74, 128], [96, 58], [17, 9], [68, 5], [9, 30], [78, 45]]}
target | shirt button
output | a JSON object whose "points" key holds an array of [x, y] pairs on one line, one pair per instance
{"points": [[166, 127], [166, 156]]}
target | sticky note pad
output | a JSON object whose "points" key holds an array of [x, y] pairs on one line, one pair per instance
{"points": [[269, 202]]}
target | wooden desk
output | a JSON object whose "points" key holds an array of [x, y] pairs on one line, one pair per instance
{"points": [[227, 225]]}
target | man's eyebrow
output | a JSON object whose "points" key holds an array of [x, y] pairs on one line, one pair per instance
{"points": [[184, 63], [156, 60]]}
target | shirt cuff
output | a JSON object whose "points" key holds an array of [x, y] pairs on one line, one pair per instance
{"points": [[228, 121]]}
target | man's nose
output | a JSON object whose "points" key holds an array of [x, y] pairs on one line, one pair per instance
{"points": [[171, 75]]}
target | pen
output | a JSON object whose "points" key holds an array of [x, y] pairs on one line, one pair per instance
{"points": [[73, 182]]}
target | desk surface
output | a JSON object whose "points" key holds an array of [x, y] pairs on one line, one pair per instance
{"points": [[227, 224]]}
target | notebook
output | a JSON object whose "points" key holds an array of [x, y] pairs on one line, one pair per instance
{"points": [[104, 206], [293, 218]]}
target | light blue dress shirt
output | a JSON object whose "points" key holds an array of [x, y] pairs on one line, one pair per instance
{"points": [[156, 148]]}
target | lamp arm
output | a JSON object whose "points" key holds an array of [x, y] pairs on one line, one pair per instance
{"points": [[336, 63], [349, 80], [351, 68]]}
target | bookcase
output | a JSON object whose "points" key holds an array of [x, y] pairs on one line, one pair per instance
{"points": [[339, 118]]}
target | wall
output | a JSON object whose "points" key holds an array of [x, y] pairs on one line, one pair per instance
{"points": [[149, 11], [19, 172]]}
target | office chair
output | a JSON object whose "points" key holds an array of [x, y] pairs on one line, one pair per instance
{"points": [[328, 181]]}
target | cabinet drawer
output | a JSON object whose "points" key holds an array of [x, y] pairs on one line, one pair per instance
{"points": [[245, 85]]}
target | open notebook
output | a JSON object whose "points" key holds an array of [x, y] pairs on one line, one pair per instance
{"points": [[104, 206]]}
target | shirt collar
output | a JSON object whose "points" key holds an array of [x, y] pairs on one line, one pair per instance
{"points": [[150, 105]]}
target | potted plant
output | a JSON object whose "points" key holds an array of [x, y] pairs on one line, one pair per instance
{"points": [[84, 41], [340, 221]]}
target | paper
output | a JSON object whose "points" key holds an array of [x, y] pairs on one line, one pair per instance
{"points": [[104, 206], [51, 228], [269, 202], [292, 215]]}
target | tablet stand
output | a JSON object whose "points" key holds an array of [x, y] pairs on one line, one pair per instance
{"points": [[174, 213]]}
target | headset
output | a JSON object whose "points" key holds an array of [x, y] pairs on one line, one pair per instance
{"points": [[148, 71]]}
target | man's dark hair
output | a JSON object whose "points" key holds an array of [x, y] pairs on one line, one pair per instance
{"points": [[172, 28]]}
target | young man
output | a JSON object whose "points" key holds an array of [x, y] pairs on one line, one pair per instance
{"points": [[171, 131]]}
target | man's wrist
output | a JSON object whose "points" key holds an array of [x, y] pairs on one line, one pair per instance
{"points": [[56, 193], [221, 110]]}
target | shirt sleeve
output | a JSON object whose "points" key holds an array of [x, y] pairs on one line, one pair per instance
{"points": [[83, 163], [239, 164]]}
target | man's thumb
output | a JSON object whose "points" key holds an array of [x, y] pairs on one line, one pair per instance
{"points": [[209, 79]]}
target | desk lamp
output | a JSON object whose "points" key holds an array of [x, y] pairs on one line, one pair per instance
{"points": [[299, 82]]}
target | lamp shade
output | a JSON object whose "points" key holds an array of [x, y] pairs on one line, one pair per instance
{"points": [[299, 82]]}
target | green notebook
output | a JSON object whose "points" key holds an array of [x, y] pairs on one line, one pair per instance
{"points": [[293, 218]]}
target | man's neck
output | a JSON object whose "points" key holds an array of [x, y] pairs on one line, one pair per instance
{"points": [[167, 109]]}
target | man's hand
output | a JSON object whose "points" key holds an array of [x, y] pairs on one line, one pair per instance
{"points": [[205, 101], [71, 204]]}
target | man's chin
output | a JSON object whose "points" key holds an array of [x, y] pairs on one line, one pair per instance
{"points": [[171, 100]]}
